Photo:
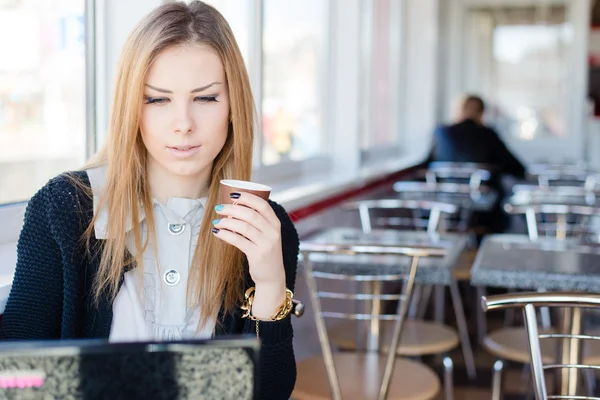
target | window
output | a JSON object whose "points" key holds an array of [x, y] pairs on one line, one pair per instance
{"points": [[237, 13], [531, 63], [42, 93], [295, 63], [285, 45], [380, 76]]}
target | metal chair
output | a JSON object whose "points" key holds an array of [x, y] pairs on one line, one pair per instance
{"points": [[559, 220], [422, 214], [430, 337], [356, 375], [566, 176], [472, 173], [571, 195], [465, 197], [569, 344]]}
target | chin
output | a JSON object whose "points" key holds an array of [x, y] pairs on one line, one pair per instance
{"points": [[187, 171]]}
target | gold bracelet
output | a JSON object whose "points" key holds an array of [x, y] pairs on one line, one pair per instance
{"points": [[283, 311]]}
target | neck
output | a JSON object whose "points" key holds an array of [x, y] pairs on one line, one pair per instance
{"points": [[164, 184]]}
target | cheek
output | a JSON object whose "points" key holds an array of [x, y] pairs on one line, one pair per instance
{"points": [[213, 123], [151, 126]]}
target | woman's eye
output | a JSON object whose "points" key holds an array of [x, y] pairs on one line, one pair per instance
{"points": [[206, 99], [156, 100]]}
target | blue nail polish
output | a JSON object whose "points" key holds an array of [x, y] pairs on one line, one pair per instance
{"points": [[215, 230], [219, 207], [216, 221], [234, 195]]}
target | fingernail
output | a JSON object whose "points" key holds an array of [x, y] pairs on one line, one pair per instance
{"points": [[215, 230], [219, 207], [234, 195], [216, 221]]}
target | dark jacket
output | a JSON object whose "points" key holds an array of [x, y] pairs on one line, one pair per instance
{"points": [[50, 296], [473, 143], [470, 142]]}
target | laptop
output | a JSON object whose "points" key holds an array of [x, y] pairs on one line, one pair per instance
{"points": [[96, 369]]}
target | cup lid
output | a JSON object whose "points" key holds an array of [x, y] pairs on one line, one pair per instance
{"points": [[245, 185]]}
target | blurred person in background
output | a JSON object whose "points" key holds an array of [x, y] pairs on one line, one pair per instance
{"points": [[470, 141]]}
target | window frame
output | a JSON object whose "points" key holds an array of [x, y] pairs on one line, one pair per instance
{"points": [[397, 36]]}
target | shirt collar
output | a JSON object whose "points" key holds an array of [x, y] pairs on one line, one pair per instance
{"points": [[97, 178]]}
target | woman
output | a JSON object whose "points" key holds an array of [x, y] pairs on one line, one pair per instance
{"points": [[127, 249]]}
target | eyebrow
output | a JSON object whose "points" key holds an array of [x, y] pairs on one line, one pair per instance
{"points": [[199, 89]]}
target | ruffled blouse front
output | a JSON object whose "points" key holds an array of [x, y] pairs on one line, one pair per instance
{"points": [[152, 301]]}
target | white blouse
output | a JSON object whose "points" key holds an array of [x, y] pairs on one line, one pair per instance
{"points": [[154, 307]]}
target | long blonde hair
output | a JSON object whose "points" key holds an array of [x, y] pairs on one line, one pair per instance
{"points": [[217, 271]]}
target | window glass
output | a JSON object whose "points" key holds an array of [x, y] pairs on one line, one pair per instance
{"points": [[295, 64], [42, 93]]}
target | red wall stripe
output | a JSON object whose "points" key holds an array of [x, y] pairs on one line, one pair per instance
{"points": [[333, 201]]}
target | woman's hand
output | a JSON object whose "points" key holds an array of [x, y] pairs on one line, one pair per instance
{"points": [[256, 231]]}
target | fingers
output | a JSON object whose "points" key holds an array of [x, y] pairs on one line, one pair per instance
{"points": [[242, 243], [268, 224], [258, 204], [241, 228]]}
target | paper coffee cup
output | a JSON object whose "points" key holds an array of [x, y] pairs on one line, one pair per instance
{"points": [[233, 186]]}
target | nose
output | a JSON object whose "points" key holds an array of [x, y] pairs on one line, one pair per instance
{"points": [[183, 122]]}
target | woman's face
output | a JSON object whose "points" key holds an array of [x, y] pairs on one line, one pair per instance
{"points": [[185, 112]]}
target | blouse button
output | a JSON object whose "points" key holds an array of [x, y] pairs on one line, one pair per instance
{"points": [[172, 277], [176, 229]]}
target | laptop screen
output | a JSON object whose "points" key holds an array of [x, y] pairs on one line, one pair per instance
{"points": [[97, 369]]}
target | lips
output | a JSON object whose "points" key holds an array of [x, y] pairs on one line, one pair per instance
{"points": [[183, 151], [183, 148]]}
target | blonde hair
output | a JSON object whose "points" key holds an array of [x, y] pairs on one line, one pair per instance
{"points": [[217, 271]]}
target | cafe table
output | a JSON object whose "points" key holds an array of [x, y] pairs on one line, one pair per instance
{"points": [[546, 264]]}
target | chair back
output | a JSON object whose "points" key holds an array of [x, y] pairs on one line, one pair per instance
{"points": [[328, 270], [472, 173], [569, 340], [567, 177], [408, 214], [461, 189], [465, 197], [559, 220]]}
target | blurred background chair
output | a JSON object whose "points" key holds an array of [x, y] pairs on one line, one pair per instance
{"points": [[560, 221], [473, 174]]}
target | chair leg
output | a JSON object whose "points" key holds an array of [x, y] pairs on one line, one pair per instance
{"points": [[415, 301], [424, 303], [480, 314], [448, 378], [530, 393], [439, 311], [497, 387], [463, 330], [590, 381], [510, 314], [526, 373]]}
